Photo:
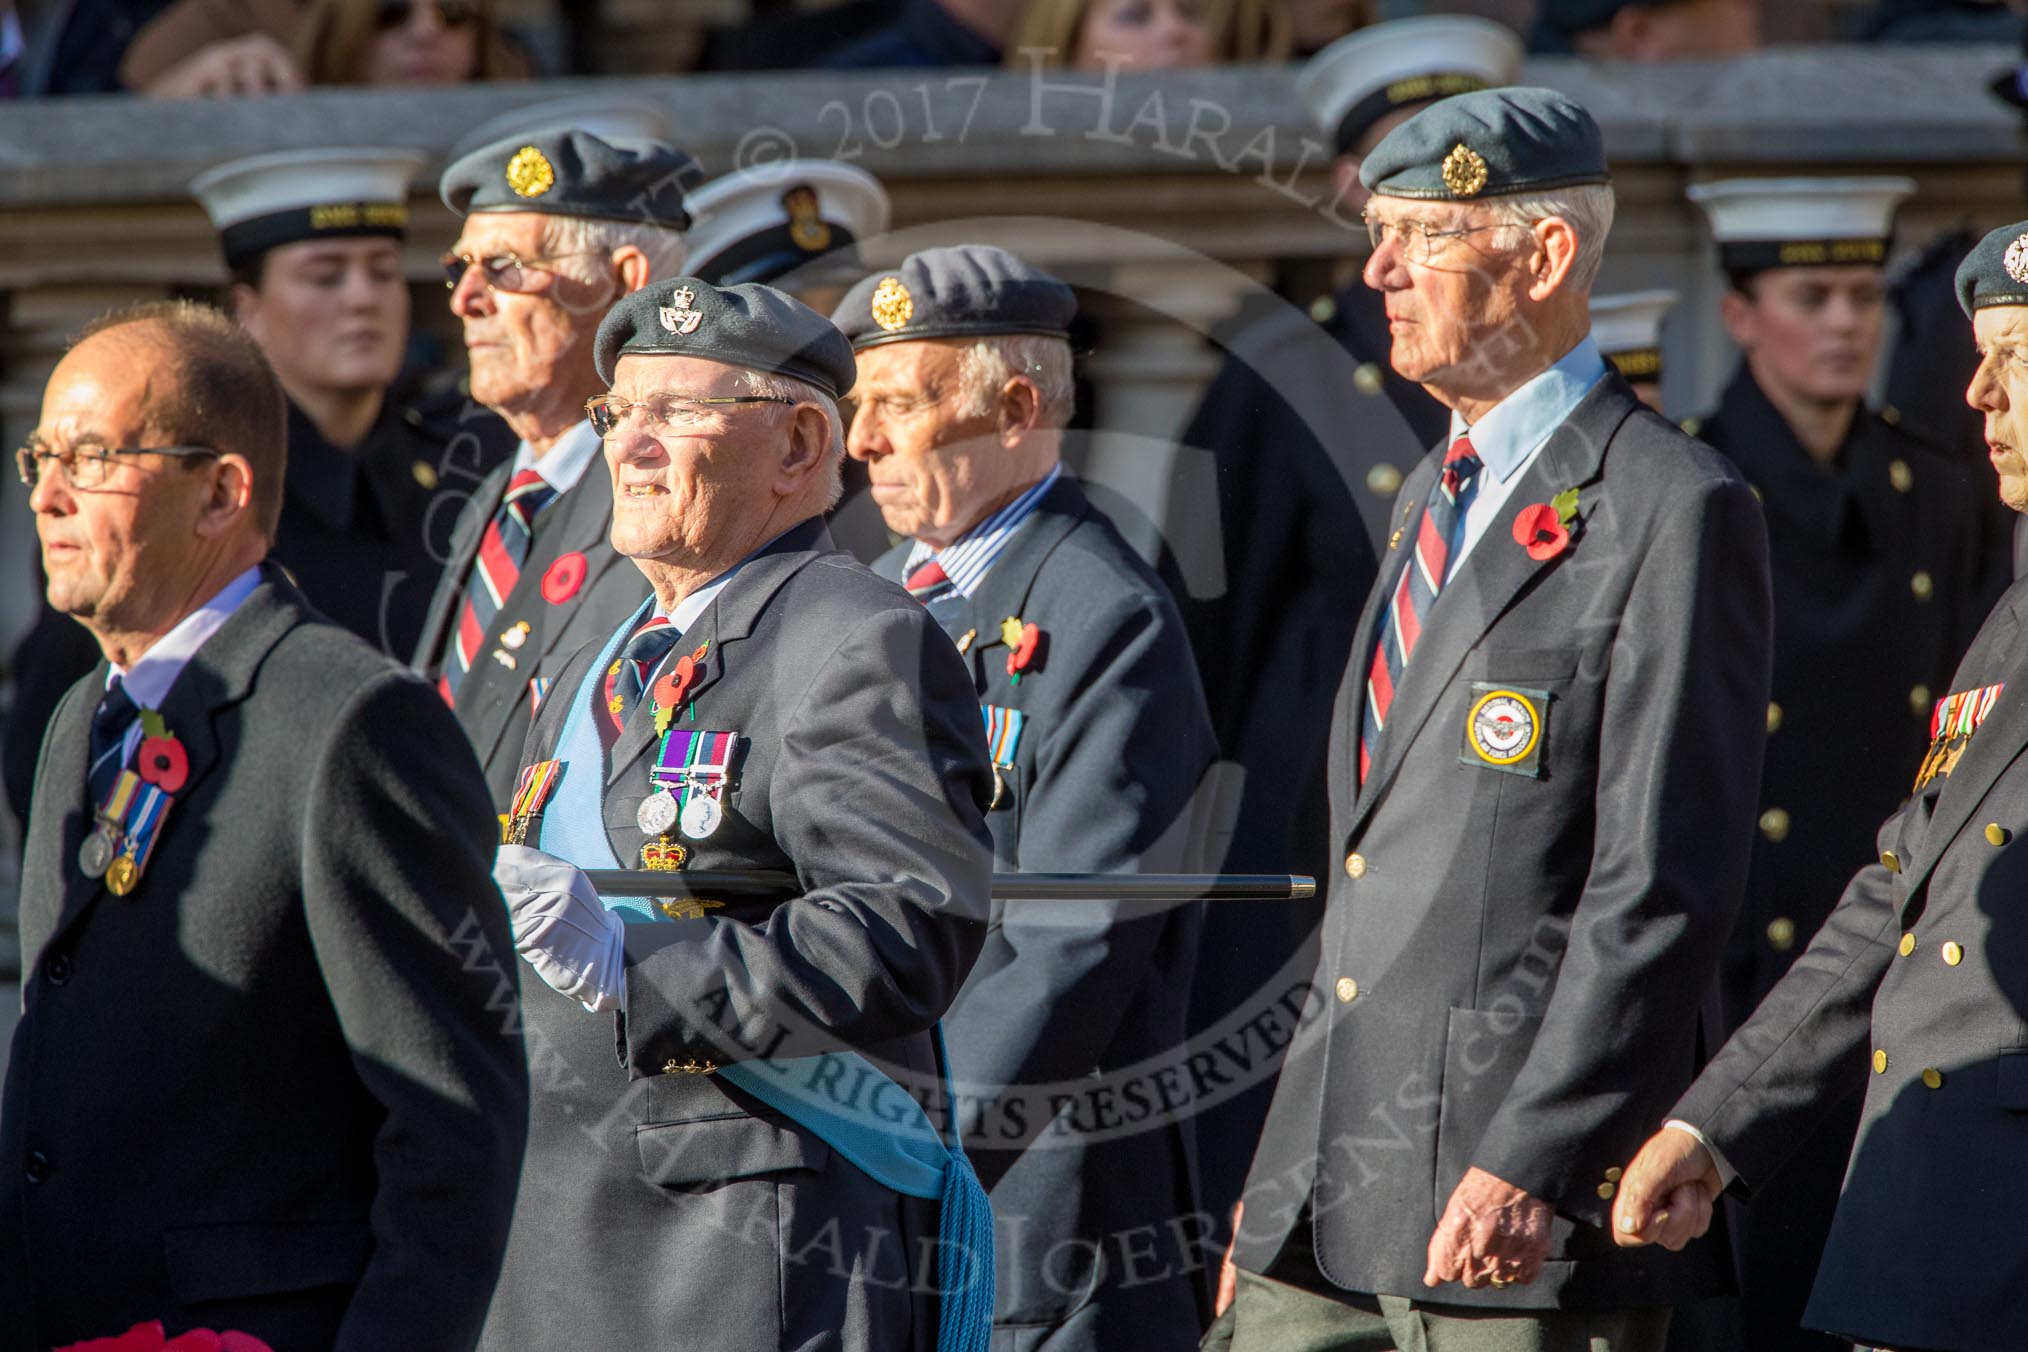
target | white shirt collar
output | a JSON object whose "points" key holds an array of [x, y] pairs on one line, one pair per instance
{"points": [[566, 461], [149, 681]]}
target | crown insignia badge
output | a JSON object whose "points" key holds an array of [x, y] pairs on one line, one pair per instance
{"points": [[678, 317], [663, 855]]}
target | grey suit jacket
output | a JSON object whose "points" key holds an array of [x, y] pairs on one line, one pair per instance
{"points": [[1928, 1225], [662, 1206], [1513, 958], [280, 1086], [1069, 1000], [495, 701]]}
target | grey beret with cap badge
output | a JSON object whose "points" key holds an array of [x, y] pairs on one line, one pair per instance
{"points": [[561, 172], [1488, 143], [750, 326], [1995, 272], [964, 291]]}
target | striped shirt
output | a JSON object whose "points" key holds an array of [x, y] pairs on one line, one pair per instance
{"points": [[970, 557]]}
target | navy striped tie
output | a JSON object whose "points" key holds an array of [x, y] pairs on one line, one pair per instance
{"points": [[115, 715]]}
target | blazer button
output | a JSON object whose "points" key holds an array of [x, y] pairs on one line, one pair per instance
{"points": [[1781, 934], [1900, 475], [1952, 954], [1907, 943], [1613, 1174], [1890, 861], [1880, 1061], [1606, 1191], [1774, 717], [1922, 585], [58, 969], [1348, 990], [1932, 1077], [1997, 834], [1774, 824], [1918, 701], [37, 1169], [1355, 865]]}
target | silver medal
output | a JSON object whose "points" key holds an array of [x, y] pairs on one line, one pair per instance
{"points": [[701, 816], [95, 856], [658, 812]]}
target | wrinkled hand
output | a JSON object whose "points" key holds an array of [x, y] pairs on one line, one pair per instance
{"points": [[562, 928], [1228, 1271], [1491, 1234], [1667, 1193], [234, 68]]}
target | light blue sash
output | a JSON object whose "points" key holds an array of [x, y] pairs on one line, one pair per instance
{"points": [[885, 1133]]}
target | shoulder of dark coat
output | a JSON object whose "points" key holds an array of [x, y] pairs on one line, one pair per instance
{"points": [[1101, 572], [1666, 459]]}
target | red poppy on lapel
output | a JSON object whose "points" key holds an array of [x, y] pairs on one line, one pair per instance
{"points": [[1023, 652], [161, 761], [150, 1337], [564, 577], [1539, 531]]}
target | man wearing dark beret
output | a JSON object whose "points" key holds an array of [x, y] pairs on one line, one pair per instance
{"points": [[1647, 30], [1099, 738], [1291, 463], [1909, 994], [558, 224], [752, 1169], [1542, 774]]}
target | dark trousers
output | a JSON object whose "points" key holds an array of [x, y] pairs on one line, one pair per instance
{"points": [[1272, 1316]]}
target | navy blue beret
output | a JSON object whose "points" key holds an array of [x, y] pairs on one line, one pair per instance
{"points": [[965, 291], [1995, 272], [1488, 143], [750, 326], [573, 173]]}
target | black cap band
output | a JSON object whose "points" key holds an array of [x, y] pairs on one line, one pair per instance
{"points": [[1747, 257], [768, 255], [1404, 93], [247, 240], [1642, 363]]}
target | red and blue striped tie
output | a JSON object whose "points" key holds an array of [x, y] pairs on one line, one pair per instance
{"points": [[628, 677], [502, 550], [1401, 628]]}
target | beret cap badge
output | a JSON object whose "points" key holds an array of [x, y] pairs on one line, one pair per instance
{"points": [[679, 318], [2016, 259], [530, 173], [808, 230], [1464, 171], [892, 305]]}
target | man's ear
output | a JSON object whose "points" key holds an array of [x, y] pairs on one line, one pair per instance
{"points": [[632, 267], [1556, 250], [228, 495], [1020, 408], [804, 450]]}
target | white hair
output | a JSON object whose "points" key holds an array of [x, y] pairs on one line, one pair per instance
{"points": [[777, 386], [1586, 207], [664, 249], [985, 367]]}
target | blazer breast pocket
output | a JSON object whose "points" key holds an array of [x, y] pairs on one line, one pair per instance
{"points": [[1510, 702], [714, 1150]]}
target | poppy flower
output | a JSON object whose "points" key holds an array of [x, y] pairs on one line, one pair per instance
{"points": [[675, 682], [564, 578], [1024, 651], [1540, 532], [162, 762]]}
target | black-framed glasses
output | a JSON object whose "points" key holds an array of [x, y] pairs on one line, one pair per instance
{"points": [[503, 271], [667, 412], [392, 14], [1420, 241], [87, 467]]}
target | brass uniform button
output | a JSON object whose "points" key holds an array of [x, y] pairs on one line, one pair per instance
{"points": [[1997, 834], [1348, 990], [1691, 426], [1901, 476], [1922, 585], [1606, 1191], [1781, 933], [1907, 944], [1953, 954], [1890, 861], [1918, 701], [1367, 379], [1774, 824], [1355, 865], [1890, 415], [1613, 1174], [1932, 1077], [1774, 717], [425, 474], [1324, 309], [1758, 496], [1880, 1062], [1384, 480]]}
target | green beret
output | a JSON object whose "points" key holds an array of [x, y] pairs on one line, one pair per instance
{"points": [[966, 291], [751, 326], [1995, 272], [573, 173], [1488, 143]]}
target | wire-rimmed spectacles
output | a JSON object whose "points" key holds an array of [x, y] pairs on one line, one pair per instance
{"points": [[87, 466], [1420, 241], [668, 412], [502, 271]]}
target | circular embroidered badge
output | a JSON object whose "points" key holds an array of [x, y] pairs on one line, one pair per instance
{"points": [[563, 579], [2015, 260], [1504, 727], [530, 173], [892, 305]]}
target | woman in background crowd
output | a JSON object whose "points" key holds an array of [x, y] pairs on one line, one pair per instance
{"points": [[1151, 34]]}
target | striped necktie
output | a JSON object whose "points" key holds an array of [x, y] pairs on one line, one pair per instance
{"points": [[629, 674], [1421, 580], [928, 582], [502, 550], [115, 714]]}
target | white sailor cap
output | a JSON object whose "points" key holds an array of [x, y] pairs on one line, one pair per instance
{"points": [[1366, 75], [1763, 223], [622, 122], [1628, 331], [263, 201], [758, 224]]}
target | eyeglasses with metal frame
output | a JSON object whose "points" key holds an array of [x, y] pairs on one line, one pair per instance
{"points": [[87, 466], [670, 412], [503, 271]]}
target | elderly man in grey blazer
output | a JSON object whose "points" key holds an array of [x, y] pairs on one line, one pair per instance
{"points": [[1543, 766], [1910, 993], [268, 1075], [726, 1145]]}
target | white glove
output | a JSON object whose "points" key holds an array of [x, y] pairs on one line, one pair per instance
{"points": [[568, 936]]}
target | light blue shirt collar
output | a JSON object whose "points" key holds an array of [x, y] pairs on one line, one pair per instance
{"points": [[567, 460], [1521, 422], [148, 683]]}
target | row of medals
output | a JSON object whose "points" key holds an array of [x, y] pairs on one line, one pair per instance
{"points": [[698, 818], [99, 856]]}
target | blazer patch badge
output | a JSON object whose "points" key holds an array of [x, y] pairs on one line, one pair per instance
{"points": [[1505, 729]]}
